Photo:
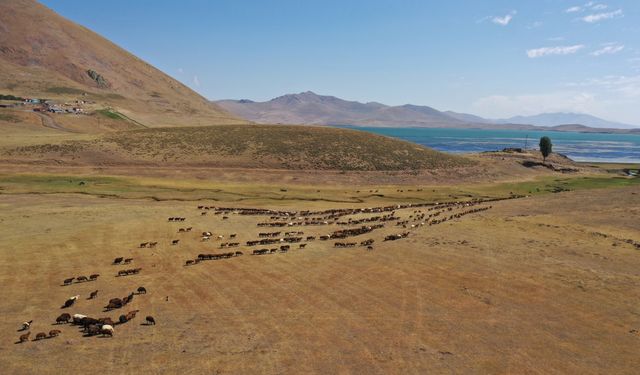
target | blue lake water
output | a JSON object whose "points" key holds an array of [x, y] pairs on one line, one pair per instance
{"points": [[578, 146]]}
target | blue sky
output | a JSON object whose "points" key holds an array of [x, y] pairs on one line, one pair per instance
{"points": [[493, 58]]}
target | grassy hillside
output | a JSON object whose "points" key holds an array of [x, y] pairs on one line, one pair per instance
{"points": [[64, 61], [248, 146]]}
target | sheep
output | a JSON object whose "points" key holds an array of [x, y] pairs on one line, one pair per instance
{"points": [[68, 281], [63, 318], [26, 325], [94, 277], [128, 260], [107, 329], [106, 320], [81, 279], [175, 242], [78, 318], [40, 336], [142, 290], [92, 330], [93, 294], [114, 305], [118, 260], [24, 337], [122, 319], [150, 320], [189, 262], [54, 332]]}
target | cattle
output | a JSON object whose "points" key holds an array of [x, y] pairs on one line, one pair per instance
{"points": [[24, 337], [142, 290], [68, 281], [118, 260], [94, 277], [63, 318], [54, 332], [40, 336], [150, 320], [93, 294], [81, 279]]}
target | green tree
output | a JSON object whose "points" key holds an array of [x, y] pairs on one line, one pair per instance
{"points": [[545, 147]]}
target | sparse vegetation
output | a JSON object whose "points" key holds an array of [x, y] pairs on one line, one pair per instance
{"points": [[110, 113], [65, 91], [8, 117], [98, 78], [10, 97]]}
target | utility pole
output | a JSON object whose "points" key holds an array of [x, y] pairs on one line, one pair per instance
{"points": [[526, 140]]}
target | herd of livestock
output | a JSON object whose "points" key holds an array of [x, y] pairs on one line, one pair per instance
{"points": [[280, 241]]}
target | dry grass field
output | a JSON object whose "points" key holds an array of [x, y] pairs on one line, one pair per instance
{"points": [[544, 284]]}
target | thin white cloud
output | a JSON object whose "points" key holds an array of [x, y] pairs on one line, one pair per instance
{"points": [[597, 17], [534, 25], [591, 5], [180, 70], [557, 50], [627, 87], [196, 81], [503, 20], [496, 106], [608, 49]]}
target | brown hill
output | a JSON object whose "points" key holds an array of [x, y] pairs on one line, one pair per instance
{"points": [[47, 56], [248, 146]]}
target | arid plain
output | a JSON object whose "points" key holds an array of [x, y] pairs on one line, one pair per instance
{"points": [[374, 255]]}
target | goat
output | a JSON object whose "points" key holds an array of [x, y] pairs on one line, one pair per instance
{"points": [[54, 332], [26, 325], [24, 337]]}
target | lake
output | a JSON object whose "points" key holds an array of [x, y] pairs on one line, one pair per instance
{"points": [[592, 147]]}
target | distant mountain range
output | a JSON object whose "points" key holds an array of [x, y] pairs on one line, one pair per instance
{"points": [[312, 109]]}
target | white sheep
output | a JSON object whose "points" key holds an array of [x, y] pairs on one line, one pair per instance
{"points": [[77, 318], [107, 329]]}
